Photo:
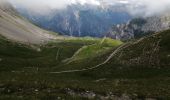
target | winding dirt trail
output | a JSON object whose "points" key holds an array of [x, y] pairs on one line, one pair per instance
{"points": [[91, 68]]}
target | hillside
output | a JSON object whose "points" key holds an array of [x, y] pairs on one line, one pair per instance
{"points": [[148, 51], [39, 72], [138, 69], [70, 68], [27, 69], [141, 66], [15, 27]]}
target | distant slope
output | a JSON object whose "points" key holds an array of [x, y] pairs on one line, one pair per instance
{"points": [[90, 51], [150, 51], [14, 27]]}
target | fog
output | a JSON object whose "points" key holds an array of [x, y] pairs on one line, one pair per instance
{"points": [[134, 7], [149, 7], [53, 4]]}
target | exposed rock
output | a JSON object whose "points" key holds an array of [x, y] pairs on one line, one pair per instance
{"points": [[93, 95], [139, 27], [79, 20], [168, 55], [36, 90]]}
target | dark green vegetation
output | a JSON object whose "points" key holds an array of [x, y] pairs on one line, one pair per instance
{"points": [[138, 69], [28, 66]]}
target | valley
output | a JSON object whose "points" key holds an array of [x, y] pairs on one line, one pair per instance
{"points": [[36, 64], [28, 73]]}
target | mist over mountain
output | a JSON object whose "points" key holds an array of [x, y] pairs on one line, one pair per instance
{"points": [[94, 18], [139, 27], [78, 20], [135, 7]]}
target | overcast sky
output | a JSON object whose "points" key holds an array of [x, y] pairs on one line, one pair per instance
{"points": [[147, 7]]}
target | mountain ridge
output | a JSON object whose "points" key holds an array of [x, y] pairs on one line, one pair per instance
{"points": [[78, 20], [15, 27], [139, 27]]}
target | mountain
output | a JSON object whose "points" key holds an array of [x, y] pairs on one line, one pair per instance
{"points": [[98, 21], [80, 68], [79, 20], [17, 28], [139, 27]]}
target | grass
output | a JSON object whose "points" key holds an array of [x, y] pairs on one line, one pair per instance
{"points": [[24, 71], [94, 50]]}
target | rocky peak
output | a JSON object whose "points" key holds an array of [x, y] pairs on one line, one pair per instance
{"points": [[139, 27]]}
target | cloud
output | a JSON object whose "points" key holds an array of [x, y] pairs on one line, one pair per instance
{"points": [[82, 2], [54, 4], [149, 7], [134, 7], [143, 8], [45, 6]]}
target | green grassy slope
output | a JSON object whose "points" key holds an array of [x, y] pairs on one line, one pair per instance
{"points": [[27, 66], [82, 57], [16, 54], [141, 67], [145, 77], [91, 51], [25, 73], [148, 51]]}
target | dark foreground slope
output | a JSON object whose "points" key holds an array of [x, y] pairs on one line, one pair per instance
{"points": [[25, 70]]}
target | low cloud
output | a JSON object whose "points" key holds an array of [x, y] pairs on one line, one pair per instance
{"points": [[53, 4], [134, 7], [45, 6], [143, 8], [149, 7]]}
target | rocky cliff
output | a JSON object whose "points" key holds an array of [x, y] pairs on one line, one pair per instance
{"points": [[139, 27]]}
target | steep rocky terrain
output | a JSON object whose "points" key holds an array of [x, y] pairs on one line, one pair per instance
{"points": [[139, 27], [15, 27], [79, 20]]}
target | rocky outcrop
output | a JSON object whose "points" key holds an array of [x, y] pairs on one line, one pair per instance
{"points": [[139, 27]]}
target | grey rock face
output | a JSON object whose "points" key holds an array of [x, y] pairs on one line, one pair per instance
{"points": [[139, 27], [78, 20]]}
